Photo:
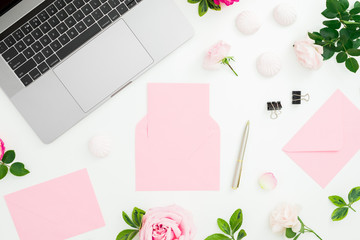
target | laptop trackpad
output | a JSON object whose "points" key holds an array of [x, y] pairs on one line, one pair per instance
{"points": [[102, 66]]}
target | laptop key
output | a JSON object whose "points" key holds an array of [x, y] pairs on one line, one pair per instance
{"points": [[53, 34], [37, 34], [47, 52], [45, 27], [78, 15], [26, 80], [114, 3], [43, 67], [70, 21], [95, 3], [62, 28], [34, 74], [37, 46], [72, 33], [97, 14], [79, 41], [104, 22], [113, 15], [103, 1], [131, 4], [20, 46], [26, 28], [62, 15], [55, 45], [53, 60], [80, 27], [18, 34], [70, 9], [28, 53], [39, 58], [105, 8], [122, 9], [64, 39], [59, 4], [28, 40], [43, 16], [25, 68], [17, 61], [10, 41], [68, 1], [10, 54], [35, 22], [89, 20], [51, 10], [54, 21], [3, 47], [87, 9], [45, 40], [79, 3]]}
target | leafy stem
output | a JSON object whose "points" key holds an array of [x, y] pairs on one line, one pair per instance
{"points": [[226, 61], [135, 222], [342, 207], [7, 163]]}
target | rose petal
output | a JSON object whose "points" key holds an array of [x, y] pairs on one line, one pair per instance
{"points": [[268, 181], [2, 148]]}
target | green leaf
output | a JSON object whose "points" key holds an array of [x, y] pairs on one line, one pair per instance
{"points": [[328, 14], [336, 6], [353, 52], [354, 194], [356, 43], [193, 1], [289, 233], [18, 169], [137, 215], [297, 236], [352, 64], [356, 18], [302, 228], [236, 220], [315, 36], [355, 11], [213, 6], [128, 220], [340, 58], [224, 226], [8, 157], [328, 53], [3, 171], [217, 236], [334, 24], [203, 7], [339, 213], [127, 234], [344, 35], [241, 234], [336, 200], [355, 35], [357, 4], [329, 33], [348, 23]]}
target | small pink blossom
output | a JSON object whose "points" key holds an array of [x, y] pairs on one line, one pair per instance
{"points": [[309, 54], [215, 54], [2, 148], [285, 216], [227, 2]]}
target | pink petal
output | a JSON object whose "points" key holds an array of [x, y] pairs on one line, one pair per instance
{"points": [[2, 148], [268, 181]]}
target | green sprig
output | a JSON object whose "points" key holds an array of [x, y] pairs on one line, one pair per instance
{"points": [[204, 5], [17, 169], [226, 61], [289, 233], [135, 222], [343, 208], [341, 34], [230, 228]]}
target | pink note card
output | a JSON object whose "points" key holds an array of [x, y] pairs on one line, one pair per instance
{"points": [[327, 142], [177, 143], [57, 209]]}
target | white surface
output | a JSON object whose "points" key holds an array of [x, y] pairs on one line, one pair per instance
{"points": [[233, 101]]}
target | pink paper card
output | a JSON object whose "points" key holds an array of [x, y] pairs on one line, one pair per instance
{"points": [[177, 143], [57, 209], [326, 143]]}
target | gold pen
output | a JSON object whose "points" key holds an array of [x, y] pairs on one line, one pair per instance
{"points": [[239, 164]]}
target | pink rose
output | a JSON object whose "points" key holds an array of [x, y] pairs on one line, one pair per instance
{"points": [[227, 2], [308, 54], [167, 223], [285, 216], [215, 54], [2, 148]]}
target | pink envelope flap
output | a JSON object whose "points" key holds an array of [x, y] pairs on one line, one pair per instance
{"points": [[324, 132]]}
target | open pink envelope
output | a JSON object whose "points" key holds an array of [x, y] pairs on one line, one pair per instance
{"points": [[56, 210], [327, 142], [177, 143]]}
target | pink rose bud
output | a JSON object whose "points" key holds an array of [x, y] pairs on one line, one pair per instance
{"points": [[309, 54], [227, 2], [2, 148]]}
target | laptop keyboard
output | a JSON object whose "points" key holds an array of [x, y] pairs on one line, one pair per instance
{"points": [[53, 30]]}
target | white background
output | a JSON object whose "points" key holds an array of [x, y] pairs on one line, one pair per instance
{"points": [[234, 100]]}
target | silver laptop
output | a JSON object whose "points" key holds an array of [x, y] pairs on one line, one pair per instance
{"points": [[61, 59]]}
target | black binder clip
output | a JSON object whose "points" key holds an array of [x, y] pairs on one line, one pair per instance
{"points": [[297, 97], [275, 108]]}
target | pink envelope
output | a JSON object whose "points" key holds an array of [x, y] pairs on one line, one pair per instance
{"points": [[327, 142], [177, 143], [57, 209]]}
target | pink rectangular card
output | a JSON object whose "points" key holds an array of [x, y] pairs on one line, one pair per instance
{"points": [[57, 209]]}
